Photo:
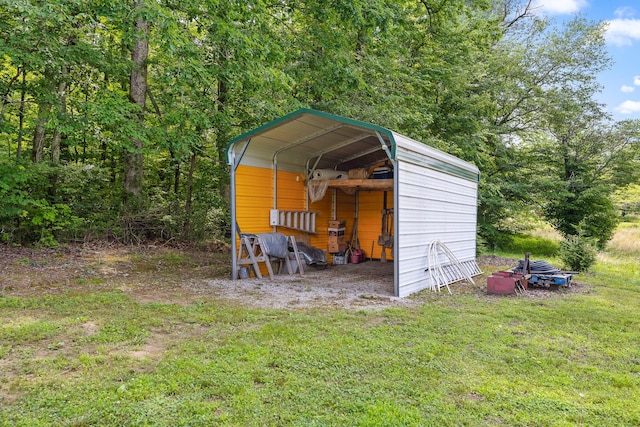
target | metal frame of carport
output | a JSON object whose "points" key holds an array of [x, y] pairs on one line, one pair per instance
{"points": [[242, 143]]}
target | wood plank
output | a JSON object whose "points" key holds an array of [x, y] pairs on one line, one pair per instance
{"points": [[362, 184]]}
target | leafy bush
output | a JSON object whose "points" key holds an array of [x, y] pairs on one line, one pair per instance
{"points": [[40, 202], [589, 213], [88, 192], [45, 219], [25, 212], [536, 245], [577, 253]]}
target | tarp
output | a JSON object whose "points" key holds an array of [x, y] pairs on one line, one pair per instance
{"points": [[275, 244]]}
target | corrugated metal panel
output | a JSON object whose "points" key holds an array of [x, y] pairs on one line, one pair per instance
{"points": [[418, 153], [254, 189], [371, 204], [345, 210], [434, 205], [303, 135], [254, 198], [291, 192]]}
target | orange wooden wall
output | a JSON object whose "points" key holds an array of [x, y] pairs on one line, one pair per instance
{"points": [[254, 200], [369, 218]]}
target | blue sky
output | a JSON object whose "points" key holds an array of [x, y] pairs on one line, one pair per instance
{"points": [[621, 92]]}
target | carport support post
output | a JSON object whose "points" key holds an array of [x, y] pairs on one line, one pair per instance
{"points": [[234, 228], [396, 211], [396, 234], [234, 162]]}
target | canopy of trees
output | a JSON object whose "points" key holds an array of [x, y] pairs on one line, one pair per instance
{"points": [[115, 115]]}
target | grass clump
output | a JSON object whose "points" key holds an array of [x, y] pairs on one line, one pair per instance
{"points": [[626, 241]]}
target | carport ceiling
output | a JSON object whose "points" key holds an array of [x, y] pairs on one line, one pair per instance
{"points": [[306, 135]]}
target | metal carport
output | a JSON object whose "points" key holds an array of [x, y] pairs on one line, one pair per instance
{"points": [[434, 193]]}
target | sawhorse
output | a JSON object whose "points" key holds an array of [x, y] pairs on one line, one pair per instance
{"points": [[252, 252]]}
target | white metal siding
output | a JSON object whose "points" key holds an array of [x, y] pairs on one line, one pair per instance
{"points": [[433, 205]]}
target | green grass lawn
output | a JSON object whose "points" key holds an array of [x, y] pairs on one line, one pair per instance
{"points": [[104, 359]]}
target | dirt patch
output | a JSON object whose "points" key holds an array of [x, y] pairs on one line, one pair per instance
{"points": [[496, 261], [184, 275], [367, 284], [154, 347], [90, 328]]}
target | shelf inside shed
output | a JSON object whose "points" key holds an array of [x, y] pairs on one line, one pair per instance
{"points": [[362, 184]]}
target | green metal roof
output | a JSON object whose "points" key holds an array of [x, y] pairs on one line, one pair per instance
{"points": [[288, 123], [309, 138]]}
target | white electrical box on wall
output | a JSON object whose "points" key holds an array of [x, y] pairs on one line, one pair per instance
{"points": [[273, 217]]}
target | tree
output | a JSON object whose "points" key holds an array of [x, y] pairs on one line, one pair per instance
{"points": [[627, 199], [137, 95], [589, 156], [554, 144], [102, 93]]}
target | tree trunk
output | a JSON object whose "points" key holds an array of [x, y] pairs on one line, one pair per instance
{"points": [[84, 132], [137, 95], [57, 135], [62, 102], [37, 150], [188, 202], [223, 134], [23, 94], [5, 96], [189, 197], [173, 161]]}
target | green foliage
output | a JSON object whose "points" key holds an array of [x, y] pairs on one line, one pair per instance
{"points": [[86, 189], [522, 243], [577, 253], [499, 204], [14, 178], [456, 75], [557, 152], [46, 219], [43, 204], [26, 214], [627, 199], [590, 213]]}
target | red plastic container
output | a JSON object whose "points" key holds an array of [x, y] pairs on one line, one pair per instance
{"points": [[357, 256]]}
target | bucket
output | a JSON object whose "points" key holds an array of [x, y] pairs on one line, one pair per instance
{"points": [[339, 259], [243, 272], [382, 172], [357, 255], [294, 266]]}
